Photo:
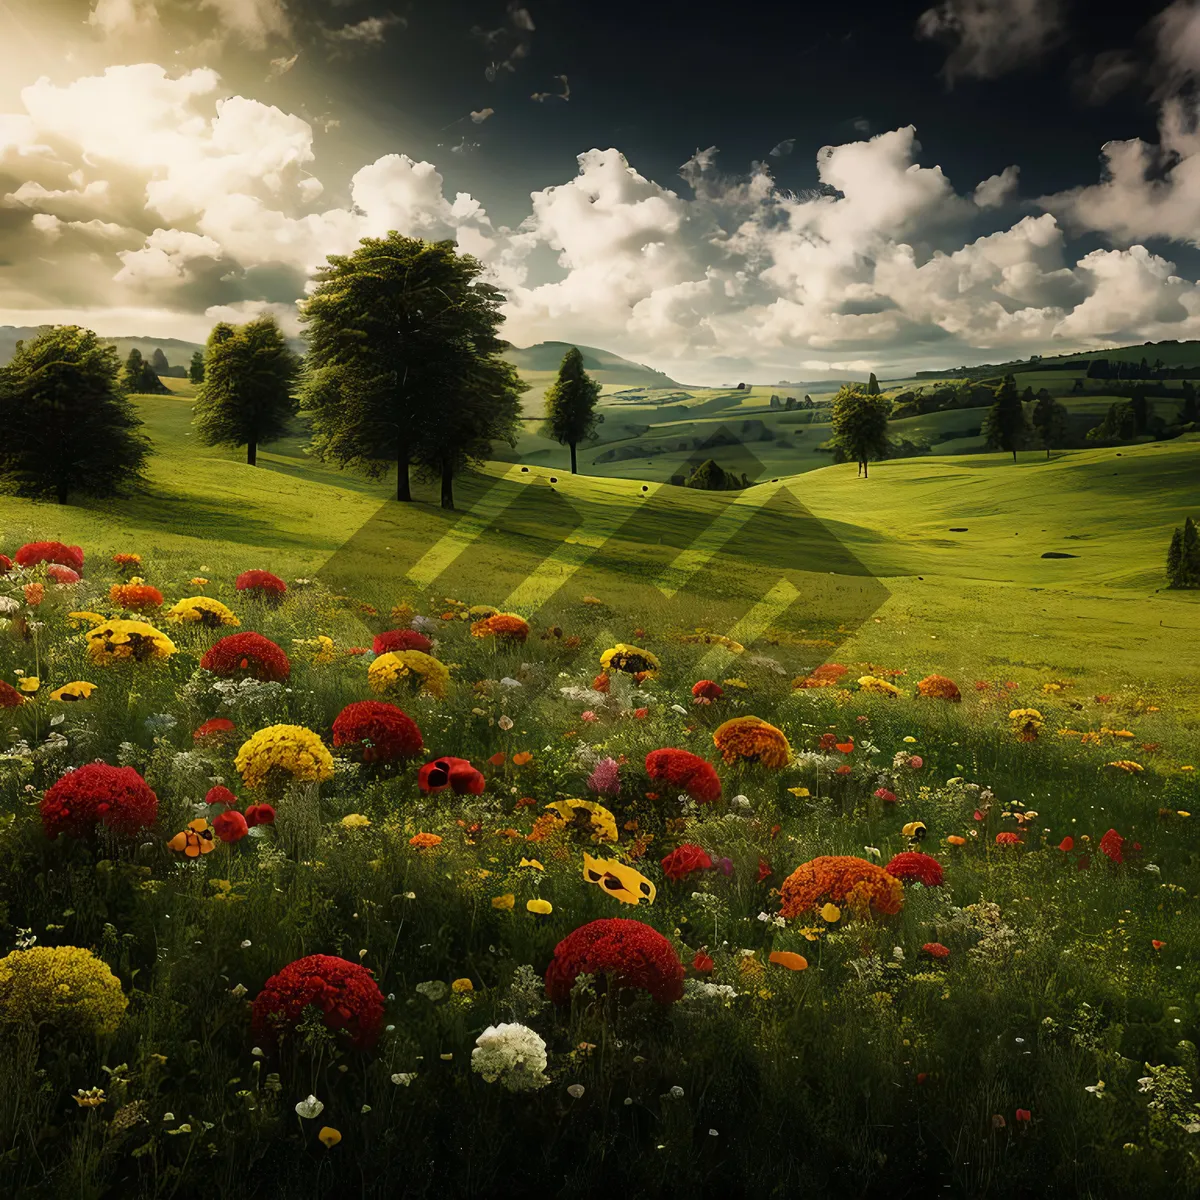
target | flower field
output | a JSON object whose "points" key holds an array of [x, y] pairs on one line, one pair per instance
{"points": [[305, 893]]}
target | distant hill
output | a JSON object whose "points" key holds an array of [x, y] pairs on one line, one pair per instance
{"points": [[1173, 355], [179, 353], [602, 365]]}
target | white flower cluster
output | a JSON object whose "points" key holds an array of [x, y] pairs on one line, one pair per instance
{"points": [[513, 1054], [700, 989]]}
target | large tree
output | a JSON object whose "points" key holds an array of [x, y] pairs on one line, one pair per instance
{"points": [[399, 335], [860, 426], [571, 415], [67, 424], [1006, 426], [250, 380], [1049, 418]]}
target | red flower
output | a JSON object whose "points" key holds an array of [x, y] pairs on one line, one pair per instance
{"points": [[61, 574], [641, 713], [935, 950], [221, 795], [9, 696], [625, 953], [600, 683], [685, 859], [705, 689], [377, 731], [1157, 944], [1111, 846], [498, 759], [230, 826], [1007, 839], [262, 583], [217, 729], [393, 640], [702, 963], [827, 742], [913, 865], [345, 993], [50, 552], [1024, 1116], [682, 769], [844, 770], [5, 564], [117, 797], [884, 795], [243, 655], [764, 870], [1067, 844], [260, 814], [454, 773]]}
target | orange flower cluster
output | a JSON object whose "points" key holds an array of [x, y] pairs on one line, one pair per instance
{"points": [[754, 740], [507, 626], [938, 687], [847, 881], [826, 675], [135, 596]]}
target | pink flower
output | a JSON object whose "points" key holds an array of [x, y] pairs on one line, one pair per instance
{"points": [[605, 778], [587, 715], [916, 762]]}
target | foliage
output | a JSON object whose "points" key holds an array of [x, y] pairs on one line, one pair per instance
{"points": [[139, 376], [67, 426], [1183, 556], [859, 424], [1049, 418], [196, 367], [1006, 426], [570, 402]]}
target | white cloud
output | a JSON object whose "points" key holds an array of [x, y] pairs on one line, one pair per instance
{"points": [[124, 17], [165, 256], [254, 22], [371, 31], [998, 190], [991, 37], [1177, 43]]}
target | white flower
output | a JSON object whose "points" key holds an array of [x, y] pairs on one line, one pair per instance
{"points": [[312, 1107], [509, 682], [8, 606], [512, 1053], [575, 1091], [678, 708], [505, 723], [701, 989], [404, 1078]]}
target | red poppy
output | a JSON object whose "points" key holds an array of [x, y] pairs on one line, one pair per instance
{"points": [[498, 759], [845, 747], [230, 826], [1024, 1116], [764, 870], [1007, 838], [1111, 846], [684, 860], [641, 713], [454, 773], [260, 814], [216, 729], [221, 795], [705, 689], [844, 770], [1067, 844], [1157, 944], [702, 963]]}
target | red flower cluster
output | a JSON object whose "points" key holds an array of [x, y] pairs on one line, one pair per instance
{"points": [[1008, 838], [60, 574], [826, 675], [910, 865], [230, 826], [247, 654], [220, 795], [217, 729], [706, 690], [379, 732], [886, 796], [262, 583], [260, 814], [685, 859], [627, 954], [117, 797], [9, 696], [345, 993], [33, 553], [392, 641], [935, 950], [682, 769], [1112, 846], [454, 773]]}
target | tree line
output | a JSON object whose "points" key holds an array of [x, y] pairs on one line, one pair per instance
{"points": [[402, 372]]}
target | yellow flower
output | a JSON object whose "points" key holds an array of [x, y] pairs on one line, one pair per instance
{"points": [[201, 610], [81, 620], [355, 821], [80, 689], [631, 659], [29, 683], [588, 816], [799, 792], [736, 683], [66, 987], [542, 907], [329, 1137], [878, 687], [462, 985], [531, 862], [505, 902], [92, 1098], [703, 638], [321, 647], [910, 739], [410, 666], [831, 913], [117, 641], [1127, 765], [288, 750]]}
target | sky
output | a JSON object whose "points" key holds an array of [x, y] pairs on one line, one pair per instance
{"points": [[759, 192]]}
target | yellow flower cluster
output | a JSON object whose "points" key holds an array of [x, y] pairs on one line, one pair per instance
{"points": [[410, 666], [283, 750], [879, 687], [1026, 722], [64, 986], [320, 650], [633, 660], [120, 641], [202, 610]]}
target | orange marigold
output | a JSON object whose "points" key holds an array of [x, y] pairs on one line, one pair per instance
{"points": [[938, 687], [425, 841], [752, 739], [135, 596], [508, 626], [826, 675], [844, 880]]}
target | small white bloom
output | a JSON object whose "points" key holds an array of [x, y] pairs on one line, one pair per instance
{"points": [[312, 1107], [575, 1091], [512, 1054], [404, 1078], [505, 723]]}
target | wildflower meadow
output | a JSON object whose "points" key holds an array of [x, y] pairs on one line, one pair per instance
{"points": [[393, 893]]}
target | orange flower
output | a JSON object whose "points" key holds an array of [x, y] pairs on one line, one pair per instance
{"points": [[955, 840], [135, 596], [498, 759], [785, 958], [195, 840], [507, 626], [35, 593], [519, 760], [843, 879], [938, 687], [425, 841], [754, 740], [1157, 944]]}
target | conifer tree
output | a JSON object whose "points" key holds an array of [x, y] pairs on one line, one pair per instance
{"points": [[196, 369], [1006, 426], [571, 415]]}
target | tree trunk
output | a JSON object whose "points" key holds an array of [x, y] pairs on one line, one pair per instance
{"points": [[574, 470], [866, 472], [252, 453], [447, 483], [403, 491], [1014, 456], [61, 489]]}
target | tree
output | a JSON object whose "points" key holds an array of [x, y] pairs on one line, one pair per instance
{"points": [[1118, 425], [709, 477], [247, 396], [1191, 552], [139, 377], [1188, 413], [1006, 426], [1139, 406], [67, 425], [482, 405], [394, 331], [571, 405], [1176, 572], [1049, 418], [196, 370], [859, 425], [158, 360], [872, 385]]}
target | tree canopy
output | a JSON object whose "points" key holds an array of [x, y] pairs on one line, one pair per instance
{"points": [[68, 426], [571, 415], [1049, 418], [248, 393], [403, 363], [1006, 426], [196, 368], [139, 377], [860, 426]]}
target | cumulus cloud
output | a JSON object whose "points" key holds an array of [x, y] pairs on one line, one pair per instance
{"points": [[989, 38], [124, 17], [136, 191], [253, 22], [371, 31]]}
